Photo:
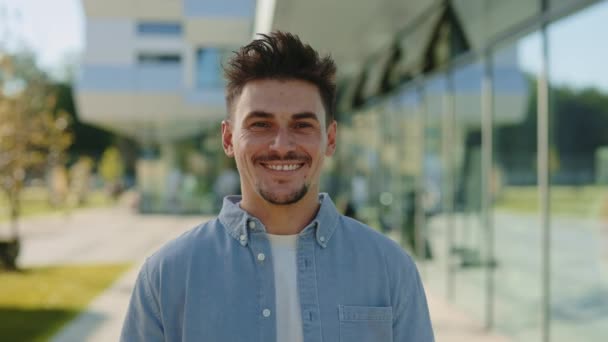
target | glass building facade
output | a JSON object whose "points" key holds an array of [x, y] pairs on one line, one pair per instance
{"points": [[491, 166]]}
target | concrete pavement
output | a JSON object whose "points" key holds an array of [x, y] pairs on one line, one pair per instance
{"points": [[453, 325], [118, 235]]}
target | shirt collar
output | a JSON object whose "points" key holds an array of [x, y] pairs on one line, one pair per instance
{"points": [[238, 223]]}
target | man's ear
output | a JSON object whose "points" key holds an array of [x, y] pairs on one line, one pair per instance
{"points": [[332, 131], [227, 138]]}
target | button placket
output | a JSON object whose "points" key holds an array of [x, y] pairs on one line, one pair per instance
{"points": [[243, 239], [309, 300], [259, 247]]}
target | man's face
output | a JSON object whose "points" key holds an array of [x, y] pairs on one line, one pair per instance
{"points": [[278, 136]]}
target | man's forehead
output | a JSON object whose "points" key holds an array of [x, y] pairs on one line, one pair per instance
{"points": [[291, 98]]}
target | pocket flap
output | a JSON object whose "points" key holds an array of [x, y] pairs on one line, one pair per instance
{"points": [[365, 313]]}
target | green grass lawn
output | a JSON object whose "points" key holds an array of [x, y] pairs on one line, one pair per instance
{"points": [[36, 302], [35, 202], [582, 201]]}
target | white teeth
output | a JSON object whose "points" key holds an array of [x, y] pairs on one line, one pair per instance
{"points": [[289, 167]]}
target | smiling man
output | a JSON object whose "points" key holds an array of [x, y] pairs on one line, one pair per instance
{"points": [[279, 263]]}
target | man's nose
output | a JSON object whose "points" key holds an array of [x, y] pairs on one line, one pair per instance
{"points": [[283, 142]]}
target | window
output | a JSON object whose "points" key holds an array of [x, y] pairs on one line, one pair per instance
{"points": [[159, 28], [578, 166], [158, 58], [209, 66]]}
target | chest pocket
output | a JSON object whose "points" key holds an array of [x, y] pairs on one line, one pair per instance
{"points": [[366, 323]]}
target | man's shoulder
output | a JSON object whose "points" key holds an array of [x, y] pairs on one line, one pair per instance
{"points": [[365, 235], [180, 250], [380, 249]]}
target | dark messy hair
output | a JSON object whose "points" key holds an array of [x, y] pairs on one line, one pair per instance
{"points": [[281, 56]]}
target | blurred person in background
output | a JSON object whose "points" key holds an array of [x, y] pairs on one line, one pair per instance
{"points": [[279, 263]]}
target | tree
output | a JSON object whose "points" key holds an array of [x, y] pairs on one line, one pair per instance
{"points": [[111, 169], [32, 133]]}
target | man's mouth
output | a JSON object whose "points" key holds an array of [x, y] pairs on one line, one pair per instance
{"points": [[283, 167]]}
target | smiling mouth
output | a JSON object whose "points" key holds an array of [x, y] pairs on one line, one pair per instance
{"points": [[283, 167]]}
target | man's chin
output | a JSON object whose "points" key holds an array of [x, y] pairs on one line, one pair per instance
{"points": [[277, 198]]}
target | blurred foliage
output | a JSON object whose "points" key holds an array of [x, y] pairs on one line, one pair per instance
{"points": [[36, 302], [579, 126], [88, 140], [571, 201], [33, 135], [111, 169], [80, 179]]}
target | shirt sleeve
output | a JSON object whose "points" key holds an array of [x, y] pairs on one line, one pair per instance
{"points": [[411, 319], [143, 321]]}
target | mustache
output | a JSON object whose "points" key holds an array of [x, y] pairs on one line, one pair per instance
{"points": [[290, 156]]}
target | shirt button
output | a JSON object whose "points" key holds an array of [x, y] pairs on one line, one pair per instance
{"points": [[243, 237], [261, 257], [322, 238], [251, 224], [266, 313]]}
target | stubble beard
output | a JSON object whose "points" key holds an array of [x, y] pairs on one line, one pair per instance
{"points": [[292, 198]]}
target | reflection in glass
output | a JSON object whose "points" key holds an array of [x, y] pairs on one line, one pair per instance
{"points": [[516, 218], [467, 249], [579, 176], [405, 128], [435, 183]]}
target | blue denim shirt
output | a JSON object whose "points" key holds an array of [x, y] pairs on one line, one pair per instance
{"points": [[354, 284]]}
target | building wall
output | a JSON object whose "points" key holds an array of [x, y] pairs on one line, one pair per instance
{"points": [[144, 54], [151, 71]]}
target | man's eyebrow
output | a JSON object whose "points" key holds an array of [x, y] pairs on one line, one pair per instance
{"points": [[305, 115], [258, 114]]}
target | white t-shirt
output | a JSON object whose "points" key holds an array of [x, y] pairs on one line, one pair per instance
{"points": [[289, 316]]}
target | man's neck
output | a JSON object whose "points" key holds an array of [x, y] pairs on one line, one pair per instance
{"points": [[283, 219]]}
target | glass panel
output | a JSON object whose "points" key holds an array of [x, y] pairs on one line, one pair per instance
{"points": [[405, 129], [158, 58], [209, 67], [368, 174], [151, 28], [515, 190], [435, 183], [389, 217], [358, 165], [469, 238], [579, 175]]}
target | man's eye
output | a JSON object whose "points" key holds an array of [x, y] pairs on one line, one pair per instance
{"points": [[303, 125], [260, 124]]}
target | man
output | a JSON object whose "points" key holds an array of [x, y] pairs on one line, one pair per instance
{"points": [[279, 263]]}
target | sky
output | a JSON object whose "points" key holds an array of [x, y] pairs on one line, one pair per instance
{"points": [[577, 49], [54, 29]]}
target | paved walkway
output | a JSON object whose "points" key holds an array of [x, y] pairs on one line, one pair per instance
{"points": [[118, 235], [452, 325]]}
